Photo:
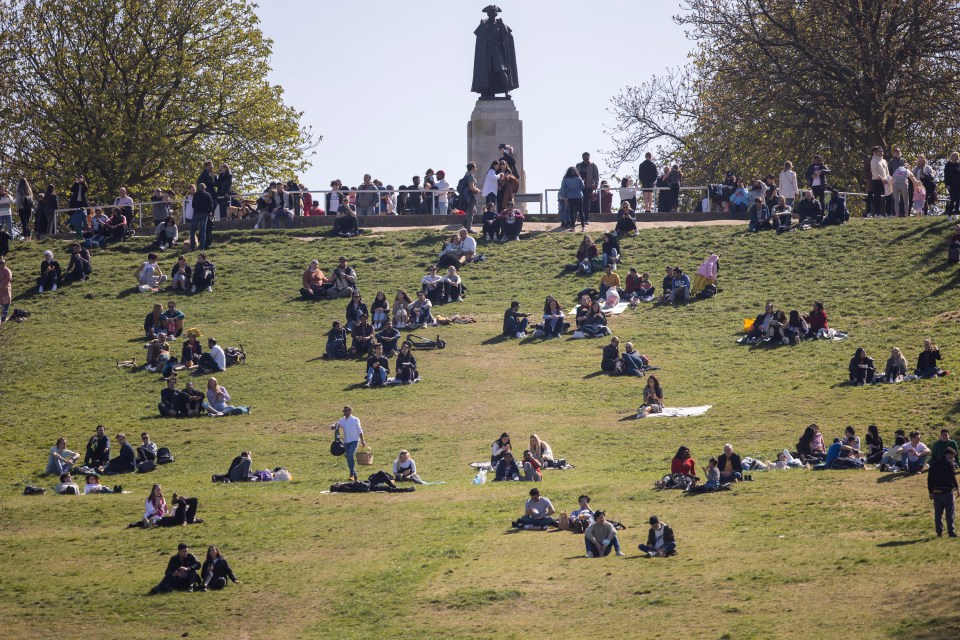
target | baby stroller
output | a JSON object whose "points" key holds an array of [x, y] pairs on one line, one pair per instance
{"points": [[418, 342]]}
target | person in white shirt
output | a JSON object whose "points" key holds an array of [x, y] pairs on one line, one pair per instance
{"points": [[788, 184], [490, 184], [880, 179], [468, 246], [430, 284], [352, 437], [914, 453], [404, 468], [61, 459], [66, 485], [443, 193], [188, 207], [214, 359], [6, 210], [453, 285]]}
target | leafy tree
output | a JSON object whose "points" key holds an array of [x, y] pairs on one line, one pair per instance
{"points": [[772, 80], [138, 93]]}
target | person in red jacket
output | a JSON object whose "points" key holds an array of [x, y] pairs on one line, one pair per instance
{"points": [[683, 464]]}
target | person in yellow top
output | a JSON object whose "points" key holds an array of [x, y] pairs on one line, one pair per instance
{"points": [[608, 279]]}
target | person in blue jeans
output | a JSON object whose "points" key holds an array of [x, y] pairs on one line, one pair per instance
{"points": [[202, 208], [600, 537], [352, 437], [660, 540], [514, 322], [378, 368]]}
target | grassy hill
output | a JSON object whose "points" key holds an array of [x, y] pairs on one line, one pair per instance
{"points": [[822, 554]]}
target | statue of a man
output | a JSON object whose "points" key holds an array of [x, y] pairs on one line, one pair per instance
{"points": [[495, 60]]}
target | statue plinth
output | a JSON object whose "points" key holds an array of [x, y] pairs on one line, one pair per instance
{"points": [[495, 122]]}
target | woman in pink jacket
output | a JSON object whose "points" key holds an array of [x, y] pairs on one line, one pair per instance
{"points": [[706, 274], [6, 295]]}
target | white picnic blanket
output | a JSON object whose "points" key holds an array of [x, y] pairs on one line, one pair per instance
{"points": [[617, 310], [675, 412]]}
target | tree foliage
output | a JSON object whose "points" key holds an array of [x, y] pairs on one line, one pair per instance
{"points": [[138, 93], [775, 80]]}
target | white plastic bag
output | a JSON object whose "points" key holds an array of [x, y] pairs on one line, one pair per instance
{"points": [[481, 477]]}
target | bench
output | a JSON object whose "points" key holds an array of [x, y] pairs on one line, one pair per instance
{"points": [[529, 197]]}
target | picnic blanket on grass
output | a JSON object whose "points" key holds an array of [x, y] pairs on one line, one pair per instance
{"points": [[676, 412]]}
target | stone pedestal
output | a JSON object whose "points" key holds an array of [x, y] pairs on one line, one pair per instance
{"points": [[495, 122]]}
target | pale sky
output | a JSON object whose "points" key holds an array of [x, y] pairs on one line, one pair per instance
{"points": [[387, 83]]}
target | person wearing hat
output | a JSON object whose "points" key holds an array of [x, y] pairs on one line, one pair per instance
{"points": [[495, 57], [660, 540], [943, 489], [181, 573]]}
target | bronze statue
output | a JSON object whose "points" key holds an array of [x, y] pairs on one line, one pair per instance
{"points": [[495, 59]]}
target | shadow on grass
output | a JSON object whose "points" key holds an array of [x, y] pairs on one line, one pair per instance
{"points": [[126, 293], [891, 477], [900, 543], [629, 418], [495, 340], [594, 374], [949, 285]]}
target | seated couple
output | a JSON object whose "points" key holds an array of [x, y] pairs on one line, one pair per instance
{"points": [[507, 469], [341, 284], [158, 514], [503, 226], [181, 573], [176, 403], [842, 454], [910, 455], [378, 367], [447, 288], [774, 325], [169, 322], [458, 250], [638, 288], [536, 513], [628, 363], [124, 462], [591, 319]]}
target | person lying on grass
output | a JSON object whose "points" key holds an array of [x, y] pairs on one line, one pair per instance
{"points": [[66, 487], [600, 537], [156, 512], [536, 513]]}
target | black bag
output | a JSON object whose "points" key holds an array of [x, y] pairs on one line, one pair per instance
{"points": [[349, 487], [69, 491], [381, 477], [337, 448], [27, 203], [234, 355], [146, 466], [33, 491], [164, 456], [708, 291]]}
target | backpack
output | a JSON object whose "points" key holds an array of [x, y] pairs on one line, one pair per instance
{"points": [[337, 448], [30, 490], [164, 456], [69, 491], [264, 475], [462, 200], [708, 291], [235, 355]]}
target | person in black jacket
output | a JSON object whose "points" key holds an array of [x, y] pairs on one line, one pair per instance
{"points": [[215, 571], [731, 470], [204, 274], [202, 208], [942, 486], [816, 175], [647, 172], [927, 361], [808, 210], [49, 272], [126, 461], [861, 368], [355, 308], [660, 540], [98, 449], [170, 400], [837, 212], [378, 368], [951, 178], [181, 573], [222, 188], [610, 361], [406, 366]]}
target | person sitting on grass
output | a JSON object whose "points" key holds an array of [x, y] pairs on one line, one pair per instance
{"points": [[667, 285], [808, 209], [506, 469], [511, 222], [380, 310], [181, 573], [712, 473], [514, 322], [601, 536], [336, 342], [355, 308], [807, 449], [378, 368], [388, 336], [362, 338], [652, 397], [61, 460], [214, 359], [80, 267], [797, 328], [540, 450], [532, 469], [217, 399], [896, 368], [927, 361], [837, 212], [191, 353], [595, 324], [536, 513], [453, 288], [421, 312], [500, 447], [491, 222], [115, 227], [405, 469], [147, 449], [685, 466], [401, 317], [156, 512], [432, 285], [182, 275], [158, 353], [98, 449], [170, 403], [914, 453], [861, 368], [731, 469], [840, 456], [610, 361], [582, 311], [343, 280], [153, 323], [215, 571], [49, 273], [777, 328], [552, 319], [626, 220], [150, 276], [93, 486], [610, 252], [660, 540], [126, 460], [345, 224], [609, 280], [173, 320], [167, 233], [941, 445], [313, 282], [707, 274], [680, 289], [587, 252], [406, 365], [66, 486], [759, 216], [192, 401]]}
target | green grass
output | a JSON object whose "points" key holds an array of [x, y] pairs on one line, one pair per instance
{"points": [[773, 558]]}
